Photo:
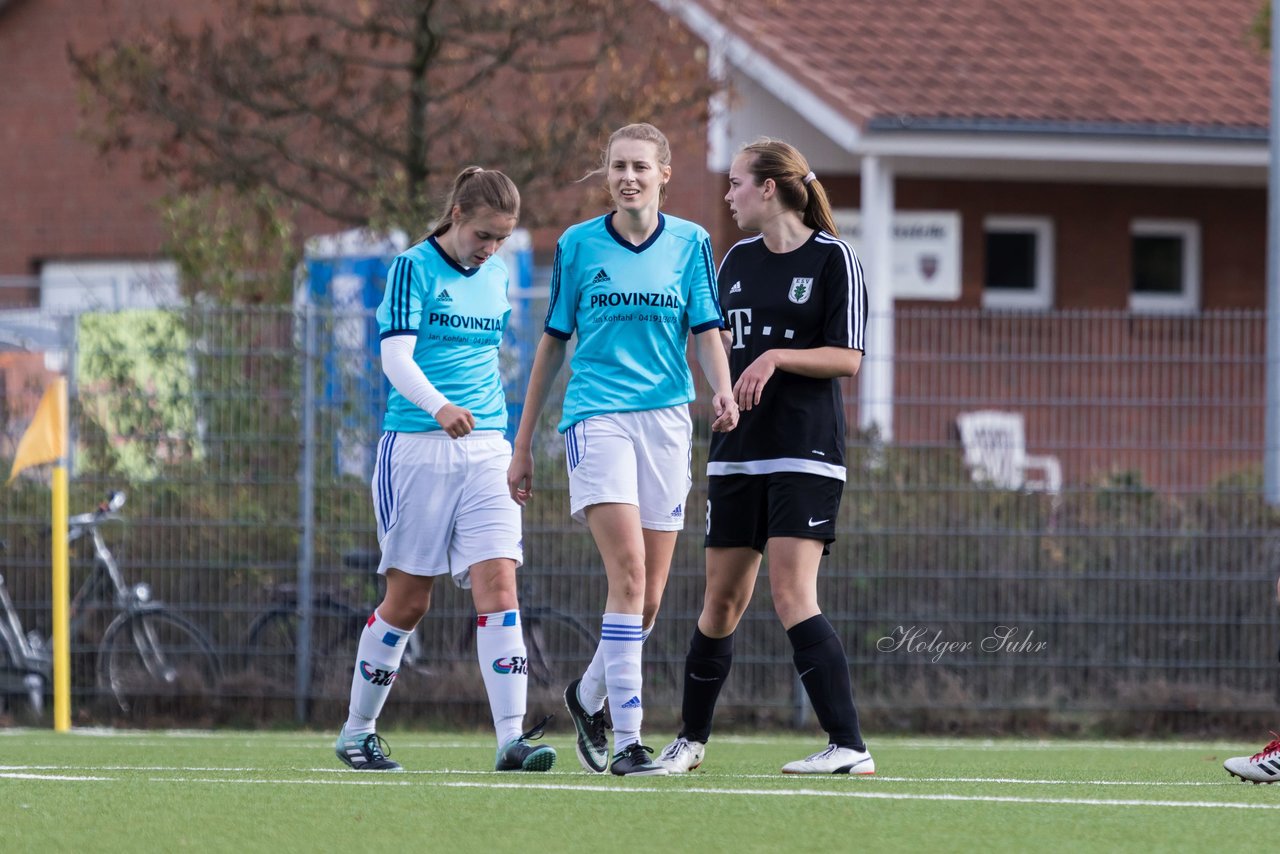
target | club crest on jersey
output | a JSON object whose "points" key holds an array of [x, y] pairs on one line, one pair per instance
{"points": [[801, 288]]}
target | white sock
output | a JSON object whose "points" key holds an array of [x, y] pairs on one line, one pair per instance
{"points": [[621, 637], [377, 665], [592, 689], [504, 664]]}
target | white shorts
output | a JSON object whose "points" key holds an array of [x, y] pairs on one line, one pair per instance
{"points": [[641, 458], [443, 505]]}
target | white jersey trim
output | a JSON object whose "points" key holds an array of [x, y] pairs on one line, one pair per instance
{"points": [[782, 464], [854, 321]]}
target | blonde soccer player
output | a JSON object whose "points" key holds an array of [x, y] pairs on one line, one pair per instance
{"points": [[632, 285]]}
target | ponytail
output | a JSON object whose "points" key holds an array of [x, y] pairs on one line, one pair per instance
{"points": [[798, 188], [476, 188]]}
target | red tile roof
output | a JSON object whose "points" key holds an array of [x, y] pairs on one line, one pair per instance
{"points": [[1188, 63]]}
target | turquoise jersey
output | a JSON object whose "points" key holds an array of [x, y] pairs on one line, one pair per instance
{"points": [[632, 308], [458, 316]]}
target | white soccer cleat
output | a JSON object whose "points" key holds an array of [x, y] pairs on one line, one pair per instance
{"points": [[833, 760], [682, 755], [1261, 767]]}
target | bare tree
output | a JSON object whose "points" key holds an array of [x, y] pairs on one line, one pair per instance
{"points": [[362, 110]]}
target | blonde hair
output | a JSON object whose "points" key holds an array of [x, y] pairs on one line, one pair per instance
{"points": [[643, 132], [473, 189], [798, 188]]}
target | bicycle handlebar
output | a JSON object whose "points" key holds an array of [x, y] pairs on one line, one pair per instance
{"points": [[104, 512]]}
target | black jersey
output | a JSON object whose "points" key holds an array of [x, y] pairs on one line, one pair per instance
{"points": [[813, 296]]}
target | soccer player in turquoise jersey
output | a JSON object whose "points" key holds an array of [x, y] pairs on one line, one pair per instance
{"points": [[439, 485], [631, 285], [632, 308]]}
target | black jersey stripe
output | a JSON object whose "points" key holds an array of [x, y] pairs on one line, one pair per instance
{"points": [[555, 286], [401, 278], [393, 278], [709, 263], [856, 303]]}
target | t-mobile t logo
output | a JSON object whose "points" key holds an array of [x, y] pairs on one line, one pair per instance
{"points": [[740, 324]]}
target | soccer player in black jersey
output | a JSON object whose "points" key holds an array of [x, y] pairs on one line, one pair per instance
{"points": [[795, 308]]}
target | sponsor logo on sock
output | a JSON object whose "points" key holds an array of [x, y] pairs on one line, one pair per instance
{"points": [[514, 665], [633, 703], [377, 675], [602, 276]]}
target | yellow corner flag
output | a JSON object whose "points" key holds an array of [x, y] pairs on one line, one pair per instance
{"points": [[46, 439]]}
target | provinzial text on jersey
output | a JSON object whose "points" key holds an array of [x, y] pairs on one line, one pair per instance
{"points": [[656, 300], [458, 321]]}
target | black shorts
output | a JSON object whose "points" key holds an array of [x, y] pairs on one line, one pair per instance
{"points": [[750, 509]]}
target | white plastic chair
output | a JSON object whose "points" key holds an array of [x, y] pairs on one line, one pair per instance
{"points": [[995, 450]]}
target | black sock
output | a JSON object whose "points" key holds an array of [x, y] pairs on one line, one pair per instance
{"points": [[824, 669], [706, 668]]}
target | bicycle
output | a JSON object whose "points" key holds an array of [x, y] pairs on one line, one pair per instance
{"points": [[146, 651], [558, 645]]}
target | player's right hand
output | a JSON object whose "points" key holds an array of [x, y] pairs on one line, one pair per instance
{"points": [[455, 420], [520, 477]]}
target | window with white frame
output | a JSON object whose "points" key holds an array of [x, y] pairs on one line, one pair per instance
{"points": [[1166, 266], [1018, 269]]}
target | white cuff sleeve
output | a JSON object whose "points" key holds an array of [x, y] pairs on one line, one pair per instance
{"points": [[406, 376]]}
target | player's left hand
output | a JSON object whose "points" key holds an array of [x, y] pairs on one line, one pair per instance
{"points": [[726, 410]]}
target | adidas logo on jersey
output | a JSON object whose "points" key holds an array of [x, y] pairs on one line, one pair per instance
{"points": [[602, 276], [633, 703], [444, 297], [736, 289]]}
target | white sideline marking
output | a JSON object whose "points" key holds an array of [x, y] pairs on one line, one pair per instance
{"points": [[566, 787], [817, 793], [915, 743], [146, 737], [1017, 781], [453, 772], [63, 777]]}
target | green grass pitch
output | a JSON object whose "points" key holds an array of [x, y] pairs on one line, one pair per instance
{"points": [[279, 792]]}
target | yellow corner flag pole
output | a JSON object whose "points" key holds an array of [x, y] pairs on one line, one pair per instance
{"points": [[61, 599], [46, 442]]}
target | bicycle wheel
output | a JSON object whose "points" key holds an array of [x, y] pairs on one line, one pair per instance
{"points": [[559, 647], [273, 650], [157, 660]]}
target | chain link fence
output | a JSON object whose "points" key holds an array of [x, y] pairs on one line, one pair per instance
{"points": [[1134, 591]]}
